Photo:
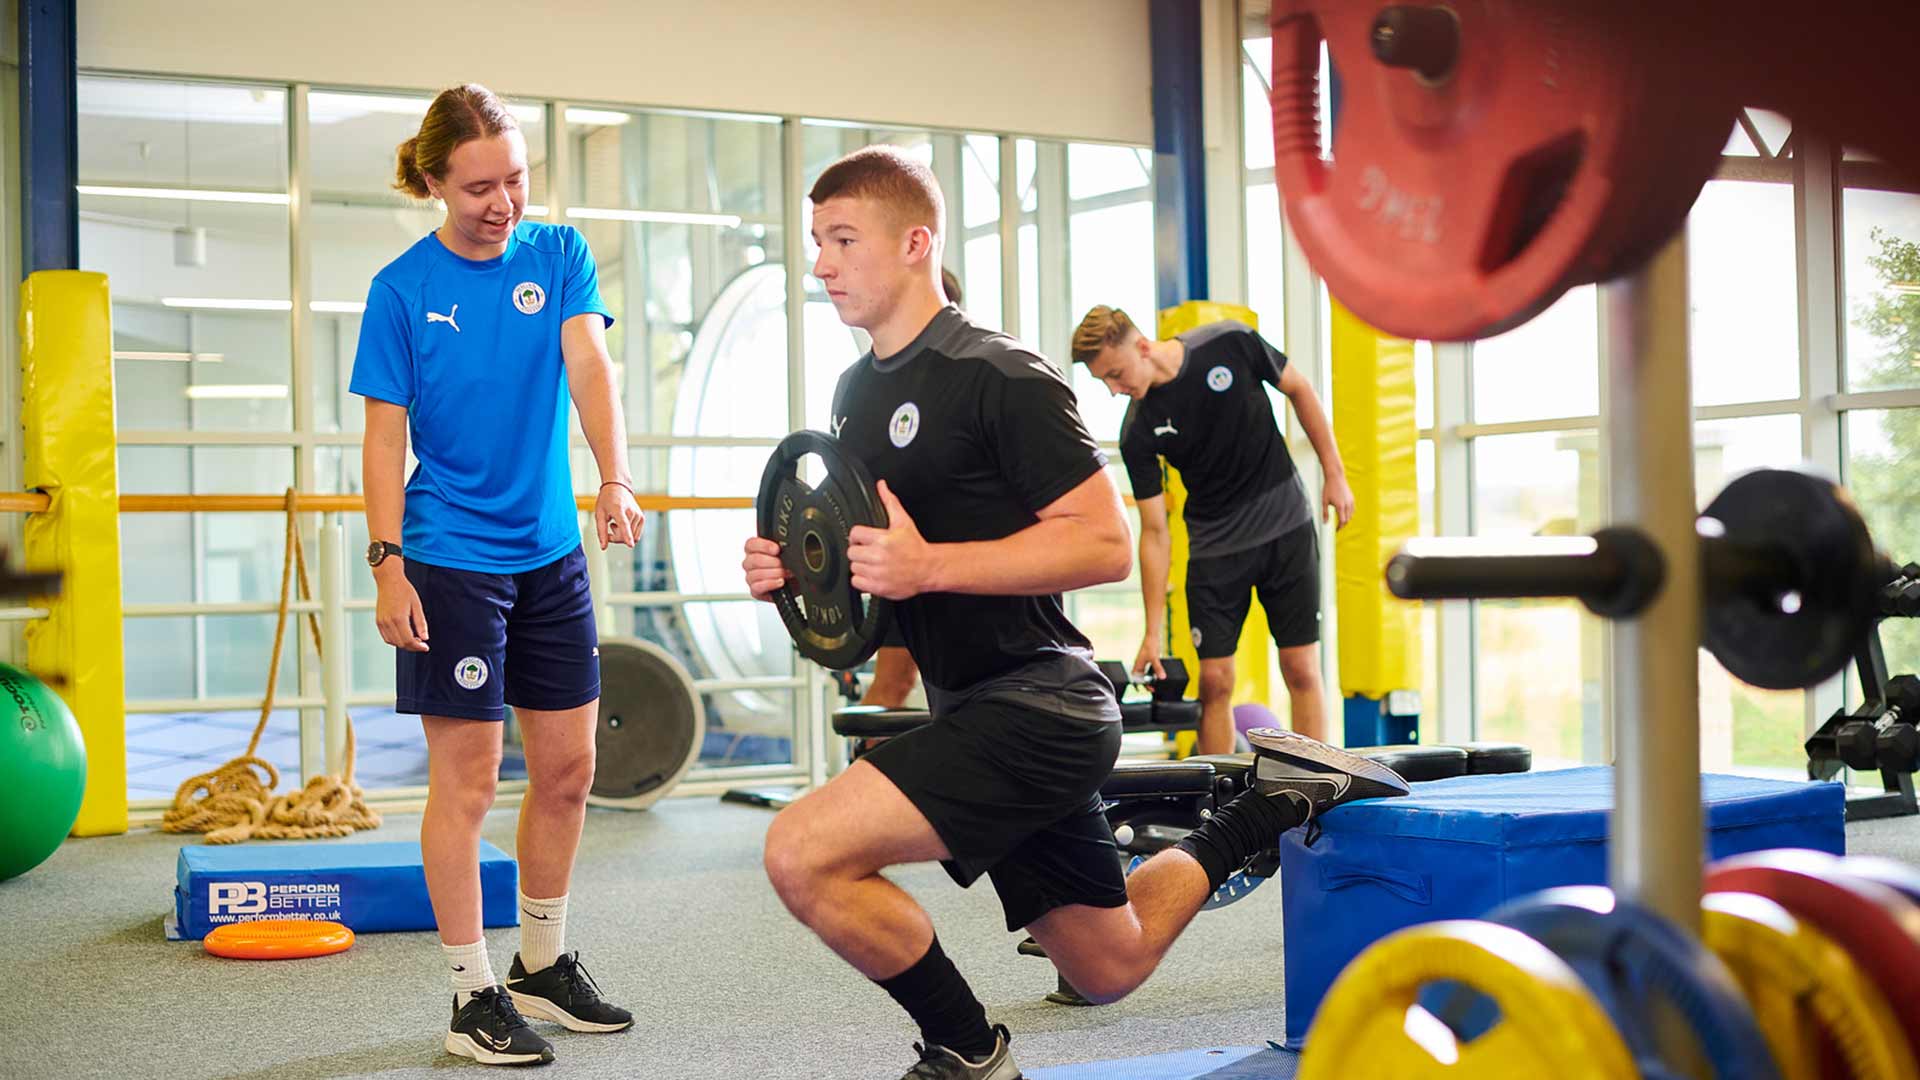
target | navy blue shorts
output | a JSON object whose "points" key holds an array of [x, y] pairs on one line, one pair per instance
{"points": [[526, 640]]}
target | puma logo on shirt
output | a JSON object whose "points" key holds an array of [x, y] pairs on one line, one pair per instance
{"points": [[434, 317]]}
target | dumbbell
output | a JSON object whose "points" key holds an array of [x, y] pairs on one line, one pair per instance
{"points": [[1172, 687], [1902, 693], [1901, 596], [1857, 741], [1897, 747], [1790, 577]]}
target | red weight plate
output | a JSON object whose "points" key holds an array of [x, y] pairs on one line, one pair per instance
{"points": [[1902, 878], [1879, 927], [1551, 154]]}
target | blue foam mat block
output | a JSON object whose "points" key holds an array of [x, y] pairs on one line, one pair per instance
{"points": [[370, 888], [1456, 849], [1211, 1063]]}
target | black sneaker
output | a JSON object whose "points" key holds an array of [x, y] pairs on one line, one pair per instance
{"points": [[940, 1063], [1316, 775], [489, 1030], [566, 995]]}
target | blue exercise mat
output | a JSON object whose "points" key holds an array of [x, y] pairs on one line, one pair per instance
{"points": [[1458, 848], [1215, 1063], [370, 888]]}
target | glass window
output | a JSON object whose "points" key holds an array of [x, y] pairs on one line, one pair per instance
{"points": [[185, 196], [1026, 160], [679, 212], [1882, 276], [1095, 169], [1538, 663], [1256, 113], [978, 262], [1759, 133], [1742, 272], [726, 639], [1547, 367], [207, 558], [1423, 463], [1029, 240], [980, 192], [1723, 449], [749, 727], [159, 658], [165, 749], [1741, 727], [360, 224], [391, 752], [1882, 459], [1114, 620], [968, 171], [372, 664], [183, 205], [214, 557], [1266, 259], [1111, 253]]}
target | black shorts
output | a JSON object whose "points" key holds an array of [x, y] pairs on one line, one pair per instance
{"points": [[1015, 794], [526, 640], [1285, 571]]}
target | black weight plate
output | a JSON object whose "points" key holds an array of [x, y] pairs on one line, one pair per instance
{"points": [[832, 623], [1763, 635], [650, 727]]}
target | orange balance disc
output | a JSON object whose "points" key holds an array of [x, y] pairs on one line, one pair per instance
{"points": [[278, 939]]}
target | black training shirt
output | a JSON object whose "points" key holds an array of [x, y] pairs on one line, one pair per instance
{"points": [[975, 433], [1215, 424]]}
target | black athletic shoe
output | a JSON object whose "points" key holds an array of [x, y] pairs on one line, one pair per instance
{"points": [[1317, 775], [940, 1063], [566, 995], [489, 1030]]}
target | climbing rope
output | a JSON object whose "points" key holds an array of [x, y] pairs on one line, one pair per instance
{"points": [[235, 802]]}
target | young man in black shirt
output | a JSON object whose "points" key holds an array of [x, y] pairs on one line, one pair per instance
{"points": [[1199, 401], [997, 501], [894, 675]]}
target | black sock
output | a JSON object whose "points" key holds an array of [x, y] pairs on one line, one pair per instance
{"points": [[1238, 831], [942, 1003]]}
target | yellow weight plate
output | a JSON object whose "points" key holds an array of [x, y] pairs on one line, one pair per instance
{"points": [[1805, 991], [1368, 1028]]}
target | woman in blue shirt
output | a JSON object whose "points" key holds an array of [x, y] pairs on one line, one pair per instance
{"points": [[473, 342]]}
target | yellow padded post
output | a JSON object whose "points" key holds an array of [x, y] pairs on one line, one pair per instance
{"points": [[66, 362], [1250, 682], [1373, 421]]}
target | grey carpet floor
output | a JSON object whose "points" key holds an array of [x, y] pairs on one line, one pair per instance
{"points": [[677, 922]]}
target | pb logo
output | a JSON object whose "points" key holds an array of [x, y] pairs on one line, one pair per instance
{"points": [[236, 898]]}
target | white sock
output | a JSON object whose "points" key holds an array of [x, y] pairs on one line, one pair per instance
{"points": [[543, 928], [470, 968]]}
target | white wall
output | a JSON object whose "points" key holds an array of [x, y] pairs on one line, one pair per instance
{"points": [[1061, 68]]}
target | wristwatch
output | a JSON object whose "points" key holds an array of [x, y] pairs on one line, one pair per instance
{"points": [[378, 551]]}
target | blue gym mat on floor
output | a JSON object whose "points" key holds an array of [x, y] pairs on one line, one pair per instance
{"points": [[369, 887], [1456, 849], [1211, 1063]]}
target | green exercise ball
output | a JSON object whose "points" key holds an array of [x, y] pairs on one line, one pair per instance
{"points": [[43, 771]]}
